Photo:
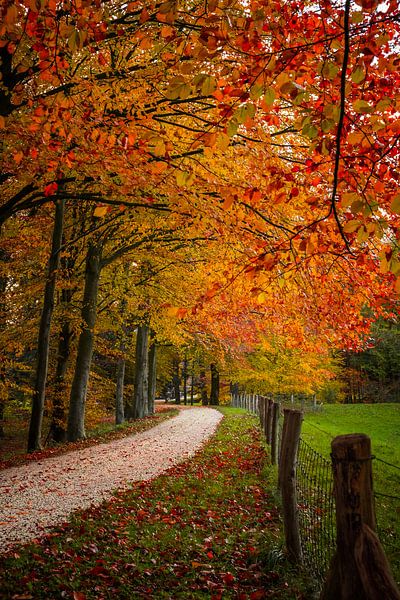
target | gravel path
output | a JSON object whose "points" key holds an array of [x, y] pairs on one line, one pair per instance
{"points": [[40, 495]]}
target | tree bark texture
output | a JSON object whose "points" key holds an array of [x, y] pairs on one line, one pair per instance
{"points": [[176, 380], [203, 387], [39, 390], [152, 374], [119, 394], [58, 432], [359, 569], [141, 387], [185, 378], [214, 393], [76, 416]]}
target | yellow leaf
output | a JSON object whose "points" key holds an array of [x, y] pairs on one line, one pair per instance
{"points": [[100, 211], [351, 226], [348, 198], [261, 298], [394, 266], [172, 311], [184, 178], [362, 235], [358, 75], [223, 141]]}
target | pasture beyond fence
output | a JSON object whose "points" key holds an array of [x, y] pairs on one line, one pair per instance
{"points": [[328, 506]]}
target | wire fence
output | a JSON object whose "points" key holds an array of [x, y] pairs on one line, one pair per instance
{"points": [[316, 508], [315, 498]]}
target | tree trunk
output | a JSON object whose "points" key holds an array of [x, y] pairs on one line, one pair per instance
{"points": [[176, 380], [119, 394], [2, 407], [76, 416], [58, 432], [203, 388], [39, 390], [152, 374], [141, 387], [4, 257], [192, 385], [185, 377], [214, 394]]}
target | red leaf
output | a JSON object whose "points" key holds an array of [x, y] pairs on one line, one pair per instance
{"points": [[257, 595], [50, 189], [79, 596]]}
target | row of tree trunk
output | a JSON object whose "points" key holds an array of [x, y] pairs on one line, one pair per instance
{"points": [[142, 403]]}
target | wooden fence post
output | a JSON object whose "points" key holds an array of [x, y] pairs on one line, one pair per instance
{"points": [[359, 568], [290, 444], [261, 411], [275, 432]]}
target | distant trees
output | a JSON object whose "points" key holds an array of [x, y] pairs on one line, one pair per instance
{"points": [[373, 375]]}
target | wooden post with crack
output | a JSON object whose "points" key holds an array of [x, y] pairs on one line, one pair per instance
{"points": [[359, 568]]}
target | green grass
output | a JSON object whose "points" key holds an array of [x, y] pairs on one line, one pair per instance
{"points": [[381, 422], [208, 528]]}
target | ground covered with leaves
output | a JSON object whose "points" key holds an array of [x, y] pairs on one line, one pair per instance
{"points": [[12, 453], [208, 528]]}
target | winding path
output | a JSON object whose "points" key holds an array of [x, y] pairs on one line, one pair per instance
{"points": [[40, 495]]}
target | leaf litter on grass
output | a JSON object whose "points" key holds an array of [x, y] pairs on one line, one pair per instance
{"points": [[204, 529]]}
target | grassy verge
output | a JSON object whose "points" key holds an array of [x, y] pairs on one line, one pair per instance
{"points": [[104, 432], [381, 422], [206, 529]]}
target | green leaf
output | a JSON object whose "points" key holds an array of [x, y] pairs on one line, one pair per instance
{"points": [[269, 96], [329, 70], [207, 84], [310, 131], [232, 128], [247, 111], [358, 75], [351, 226], [362, 235], [362, 107], [256, 91], [178, 89], [395, 204], [327, 125]]}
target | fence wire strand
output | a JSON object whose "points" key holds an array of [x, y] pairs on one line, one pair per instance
{"points": [[316, 508]]}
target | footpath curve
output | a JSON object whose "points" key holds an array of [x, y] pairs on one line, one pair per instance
{"points": [[40, 495]]}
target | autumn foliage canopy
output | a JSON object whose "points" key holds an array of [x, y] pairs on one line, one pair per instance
{"points": [[242, 154]]}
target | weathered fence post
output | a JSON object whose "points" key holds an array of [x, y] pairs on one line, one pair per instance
{"points": [[288, 459], [275, 432], [359, 569]]}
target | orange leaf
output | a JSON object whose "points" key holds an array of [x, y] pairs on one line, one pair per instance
{"points": [[100, 211], [228, 203]]}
